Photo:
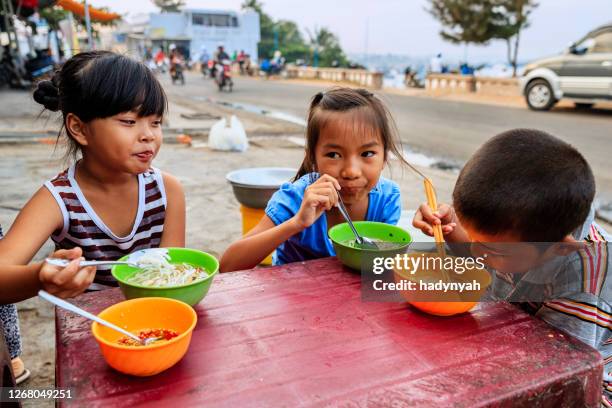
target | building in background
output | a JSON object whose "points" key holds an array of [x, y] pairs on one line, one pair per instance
{"points": [[193, 30]]}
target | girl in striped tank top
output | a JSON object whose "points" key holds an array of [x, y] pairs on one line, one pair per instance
{"points": [[111, 201]]}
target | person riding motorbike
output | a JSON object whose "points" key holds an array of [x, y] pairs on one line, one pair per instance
{"points": [[221, 55], [176, 65], [218, 58], [222, 70]]}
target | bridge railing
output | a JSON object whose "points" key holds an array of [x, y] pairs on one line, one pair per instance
{"points": [[360, 77], [454, 83]]}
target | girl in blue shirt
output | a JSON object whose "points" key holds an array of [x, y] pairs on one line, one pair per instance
{"points": [[350, 134]]}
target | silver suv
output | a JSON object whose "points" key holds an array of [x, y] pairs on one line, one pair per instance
{"points": [[582, 74]]}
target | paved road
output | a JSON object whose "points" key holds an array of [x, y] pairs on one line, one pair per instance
{"points": [[442, 128]]}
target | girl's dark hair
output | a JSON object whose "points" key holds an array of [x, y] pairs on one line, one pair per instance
{"points": [[100, 84], [372, 114]]}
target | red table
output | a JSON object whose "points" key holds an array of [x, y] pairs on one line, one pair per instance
{"points": [[300, 335]]}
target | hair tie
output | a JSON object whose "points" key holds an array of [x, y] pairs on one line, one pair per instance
{"points": [[55, 79], [317, 98], [365, 93]]}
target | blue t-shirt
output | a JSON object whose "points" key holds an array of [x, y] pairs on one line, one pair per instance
{"points": [[384, 205]]}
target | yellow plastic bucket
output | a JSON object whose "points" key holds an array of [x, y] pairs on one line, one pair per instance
{"points": [[250, 218]]}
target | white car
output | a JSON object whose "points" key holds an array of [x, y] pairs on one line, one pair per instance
{"points": [[582, 74]]}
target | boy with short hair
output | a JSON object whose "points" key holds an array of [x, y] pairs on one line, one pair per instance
{"points": [[524, 200]]}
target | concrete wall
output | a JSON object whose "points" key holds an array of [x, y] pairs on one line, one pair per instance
{"points": [[451, 83], [356, 76], [497, 86]]}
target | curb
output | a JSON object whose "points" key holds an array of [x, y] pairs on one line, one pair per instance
{"points": [[26, 138], [171, 137]]}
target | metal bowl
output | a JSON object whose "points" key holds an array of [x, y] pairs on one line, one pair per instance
{"points": [[253, 187]]}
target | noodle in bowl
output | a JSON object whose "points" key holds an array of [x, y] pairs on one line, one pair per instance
{"points": [[179, 273]]}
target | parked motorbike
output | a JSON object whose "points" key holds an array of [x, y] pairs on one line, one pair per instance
{"points": [[5, 74], [17, 74], [39, 67]]}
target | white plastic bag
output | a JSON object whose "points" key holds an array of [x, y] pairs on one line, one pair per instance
{"points": [[232, 138]]}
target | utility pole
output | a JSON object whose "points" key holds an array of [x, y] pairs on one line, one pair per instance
{"points": [[74, 47], [367, 35], [88, 25]]}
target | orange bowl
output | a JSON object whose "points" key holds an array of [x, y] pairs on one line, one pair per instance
{"points": [[140, 314], [452, 302], [444, 308]]}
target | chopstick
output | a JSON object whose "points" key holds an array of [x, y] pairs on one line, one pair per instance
{"points": [[432, 201]]}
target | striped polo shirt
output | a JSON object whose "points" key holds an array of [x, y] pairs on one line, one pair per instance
{"points": [[572, 293], [82, 227]]}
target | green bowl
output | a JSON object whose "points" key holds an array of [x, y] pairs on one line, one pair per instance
{"points": [[350, 256], [191, 293]]}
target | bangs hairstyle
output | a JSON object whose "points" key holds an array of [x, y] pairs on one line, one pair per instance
{"points": [[526, 182], [369, 115], [99, 84], [109, 84]]}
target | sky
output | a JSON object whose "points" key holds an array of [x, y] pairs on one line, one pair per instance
{"points": [[404, 26]]}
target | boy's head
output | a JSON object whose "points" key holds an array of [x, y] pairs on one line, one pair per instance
{"points": [[524, 185]]}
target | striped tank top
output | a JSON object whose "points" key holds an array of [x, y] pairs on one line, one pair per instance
{"points": [[84, 228]]}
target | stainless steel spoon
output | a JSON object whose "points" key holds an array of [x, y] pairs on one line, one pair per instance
{"points": [[64, 262], [362, 242], [69, 306]]}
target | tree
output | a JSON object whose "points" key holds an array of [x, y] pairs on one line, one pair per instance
{"points": [[327, 47], [253, 4], [511, 17], [480, 21], [169, 6], [265, 48], [287, 36], [53, 15], [464, 21], [290, 41]]}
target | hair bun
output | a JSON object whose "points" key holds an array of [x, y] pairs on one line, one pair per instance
{"points": [[47, 94]]}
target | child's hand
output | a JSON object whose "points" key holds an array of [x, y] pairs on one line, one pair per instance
{"points": [[319, 196], [425, 219], [69, 281]]}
